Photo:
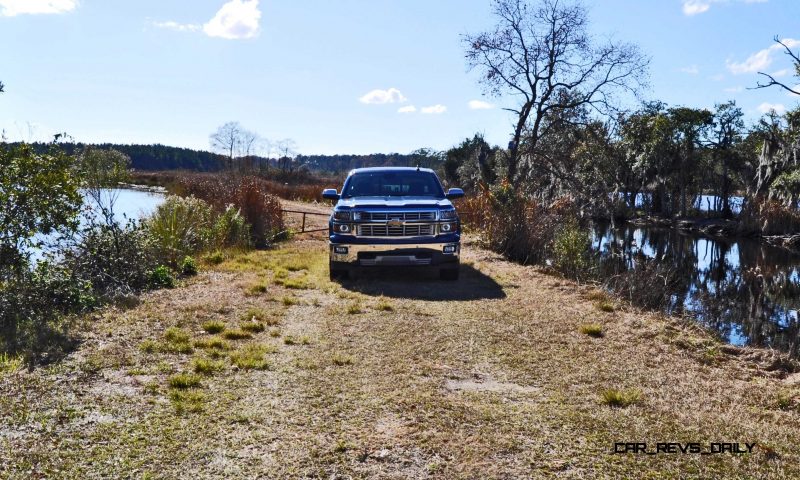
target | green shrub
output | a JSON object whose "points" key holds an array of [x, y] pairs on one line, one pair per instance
{"points": [[161, 277], [230, 230], [188, 266], [180, 227], [571, 250], [213, 326], [183, 381]]}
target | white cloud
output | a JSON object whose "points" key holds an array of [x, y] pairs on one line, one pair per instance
{"points": [[767, 107], [694, 7], [718, 77], [781, 73], [479, 105], [178, 27], [11, 8], [236, 20], [407, 109], [379, 97], [734, 89], [434, 109], [760, 60], [691, 70]]}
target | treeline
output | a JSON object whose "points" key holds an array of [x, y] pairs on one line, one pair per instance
{"points": [[159, 157]]}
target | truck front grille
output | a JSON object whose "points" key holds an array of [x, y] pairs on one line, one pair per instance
{"points": [[379, 230], [406, 216]]}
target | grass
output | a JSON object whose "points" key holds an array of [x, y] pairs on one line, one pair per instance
{"points": [[384, 306], [212, 344], [205, 366], [289, 301], [606, 306], [252, 357], [258, 288], [592, 329], [9, 363], [620, 398], [292, 283], [354, 308], [213, 326], [237, 334], [182, 381], [252, 327], [519, 369]]}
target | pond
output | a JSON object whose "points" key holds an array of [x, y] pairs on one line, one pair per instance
{"points": [[747, 291]]}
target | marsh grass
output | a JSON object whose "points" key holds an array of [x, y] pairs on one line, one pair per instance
{"points": [[620, 398], [384, 305], [605, 306], [593, 330], [354, 308], [184, 401], [258, 288], [341, 359], [289, 301], [213, 326], [9, 363]]}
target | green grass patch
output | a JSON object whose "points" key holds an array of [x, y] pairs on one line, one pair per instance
{"points": [[593, 330], [187, 401], [606, 306], [341, 359], [213, 326], [354, 308], [252, 327], [252, 357], [289, 301], [274, 332], [237, 334], [205, 366], [212, 344], [620, 398], [384, 306], [292, 283], [182, 381], [258, 288], [9, 363]]}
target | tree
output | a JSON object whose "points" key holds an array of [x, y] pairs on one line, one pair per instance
{"points": [[771, 80], [234, 141], [286, 150], [725, 136], [101, 171], [537, 52], [39, 195]]}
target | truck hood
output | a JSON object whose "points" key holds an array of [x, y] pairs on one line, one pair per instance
{"points": [[394, 202]]}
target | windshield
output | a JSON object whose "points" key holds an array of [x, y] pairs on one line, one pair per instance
{"points": [[393, 184]]}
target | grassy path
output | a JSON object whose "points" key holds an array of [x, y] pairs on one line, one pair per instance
{"points": [[398, 375]]}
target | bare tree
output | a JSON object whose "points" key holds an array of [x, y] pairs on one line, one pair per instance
{"points": [[543, 55], [234, 141], [771, 80], [226, 139], [286, 149]]}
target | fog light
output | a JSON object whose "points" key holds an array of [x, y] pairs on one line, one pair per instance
{"points": [[340, 250], [449, 249]]}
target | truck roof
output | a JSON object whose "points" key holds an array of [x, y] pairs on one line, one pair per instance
{"points": [[389, 169]]}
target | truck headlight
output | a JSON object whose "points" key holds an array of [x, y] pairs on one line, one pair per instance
{"points": [[341, 228], [447, 214], [447, 227], [341, 215]]}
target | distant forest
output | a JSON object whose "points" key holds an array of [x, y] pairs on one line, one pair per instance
{"points": [[162, 157]]}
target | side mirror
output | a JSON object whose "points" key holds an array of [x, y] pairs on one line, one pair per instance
{"points": [[330, 194], [454, 193]]}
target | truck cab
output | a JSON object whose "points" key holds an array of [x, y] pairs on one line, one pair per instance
{"points": [[394, 216]]}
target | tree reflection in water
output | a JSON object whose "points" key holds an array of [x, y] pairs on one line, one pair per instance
{"points": [[745, 290]]}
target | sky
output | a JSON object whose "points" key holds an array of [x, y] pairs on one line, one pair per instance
{"points": [[340, 76]]}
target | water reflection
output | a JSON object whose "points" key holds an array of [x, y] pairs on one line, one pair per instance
{"points": [[745, 290]]}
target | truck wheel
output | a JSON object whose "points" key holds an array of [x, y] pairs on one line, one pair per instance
{"points": [[337, 273], [449, 273]]}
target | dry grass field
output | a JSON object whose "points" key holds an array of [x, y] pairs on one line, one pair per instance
{"points": [[261, 367]]}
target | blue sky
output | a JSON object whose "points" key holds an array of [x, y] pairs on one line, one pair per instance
{"points": [[334, 74]]}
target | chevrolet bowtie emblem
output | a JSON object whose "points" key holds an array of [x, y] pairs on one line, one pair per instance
{"points": [[395, 223]]}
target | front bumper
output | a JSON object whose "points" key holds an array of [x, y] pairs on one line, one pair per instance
{"points": [[406, 254]]}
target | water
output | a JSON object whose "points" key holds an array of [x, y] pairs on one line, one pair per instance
{"points": [[746, 291], [129, 204]]}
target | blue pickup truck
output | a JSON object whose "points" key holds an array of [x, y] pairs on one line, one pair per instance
{"points": [[394, 216]]}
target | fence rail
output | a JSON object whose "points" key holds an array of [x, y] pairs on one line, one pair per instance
{"points": [[304, 213]]}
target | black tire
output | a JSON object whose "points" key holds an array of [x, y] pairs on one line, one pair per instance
{"points": [[449, 273], [337, 273]]}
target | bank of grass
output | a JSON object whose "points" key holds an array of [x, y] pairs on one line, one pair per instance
{"points": [[482, 378]]}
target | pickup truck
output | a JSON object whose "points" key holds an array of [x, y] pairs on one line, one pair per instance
{"points": [[394, 216]]}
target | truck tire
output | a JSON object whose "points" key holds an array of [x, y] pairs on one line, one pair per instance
{"points": [[449, 273]]}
